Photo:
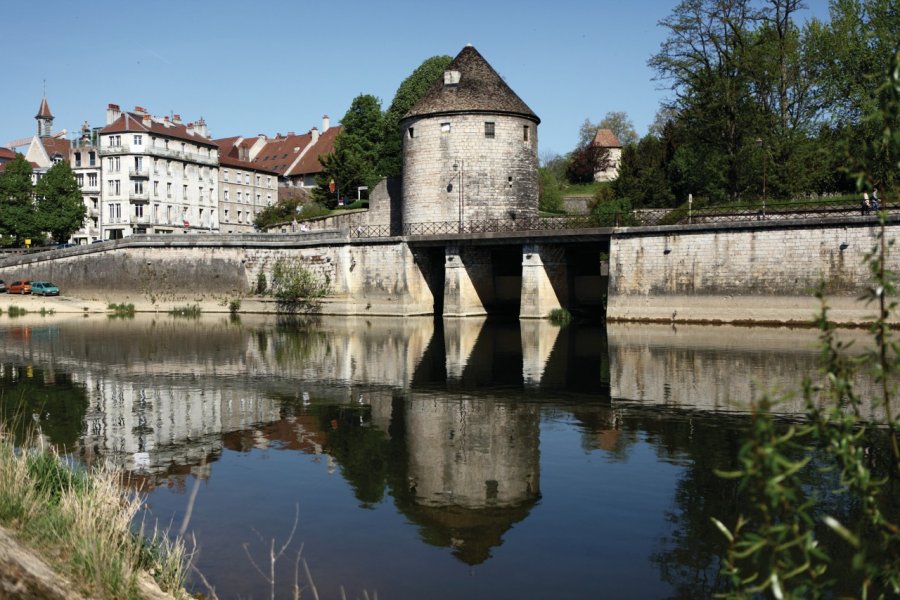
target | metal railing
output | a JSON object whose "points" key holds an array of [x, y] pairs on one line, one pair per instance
{"points": [[636, 218]]}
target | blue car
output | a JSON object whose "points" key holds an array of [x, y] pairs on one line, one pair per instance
{"points": [[44, 288]]}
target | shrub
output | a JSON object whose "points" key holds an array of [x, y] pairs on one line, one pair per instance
{"points": [[261, 284], [295, 283], [191, 311]]}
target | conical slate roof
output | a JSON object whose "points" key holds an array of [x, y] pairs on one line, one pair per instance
{"points": [[44, 110], [480, 89]]}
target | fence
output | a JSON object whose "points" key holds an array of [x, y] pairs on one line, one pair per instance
{"points": [[636, 218]]}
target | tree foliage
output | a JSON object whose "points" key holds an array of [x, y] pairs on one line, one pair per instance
{"points": [[357, 150], [409, 92], [18, 217], [60, 208], [764, 106]]}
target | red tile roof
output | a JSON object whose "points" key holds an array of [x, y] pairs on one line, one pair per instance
{"points": [[132, 122], [279, 153], [229, 161], [227, 146], [56, 146], [6, 153], [310, 164], [605, 138], [44, 110]]}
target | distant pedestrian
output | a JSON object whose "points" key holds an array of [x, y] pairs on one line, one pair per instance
{"points": [[865, 204], [875, 199]]}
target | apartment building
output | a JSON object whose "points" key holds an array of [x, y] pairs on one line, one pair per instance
{"points": [[160, 175], [84, 159], [245, 188]]}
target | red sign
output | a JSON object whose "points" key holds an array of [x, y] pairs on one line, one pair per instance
{"points": [[186, 224]]}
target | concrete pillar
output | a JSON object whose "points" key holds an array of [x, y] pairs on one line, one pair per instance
{"points": [[538, 341], [467, 277], [544, 280]]}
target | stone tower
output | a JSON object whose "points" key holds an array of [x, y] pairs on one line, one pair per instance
{"points": [[44, 119], [469, 151]]}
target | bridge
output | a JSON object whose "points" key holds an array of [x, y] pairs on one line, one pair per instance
{"points": [[664, 263]]}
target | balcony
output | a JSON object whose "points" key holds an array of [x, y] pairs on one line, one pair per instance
{"points": [[142, 220], [138, 196], [91, 188], [110, 150], [142, 172]]}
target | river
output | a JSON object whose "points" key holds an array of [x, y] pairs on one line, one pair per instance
{"points": [[415, 458]]}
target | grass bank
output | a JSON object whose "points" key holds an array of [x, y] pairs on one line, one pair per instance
{"points": [[80, 524]]}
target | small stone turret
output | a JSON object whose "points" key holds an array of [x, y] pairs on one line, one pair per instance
{"points": [[44, 119], [469, 149]]}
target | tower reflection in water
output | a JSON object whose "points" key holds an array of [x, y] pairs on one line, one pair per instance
{"points": [[443, 417]]}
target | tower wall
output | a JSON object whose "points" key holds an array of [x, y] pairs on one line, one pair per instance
{"points": [[495, 178]]}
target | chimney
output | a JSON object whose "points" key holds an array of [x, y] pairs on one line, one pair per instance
{"points": [[201, 127], [146, 121], [176, 119], [326, 123], [112, 113], [140, 110], [314, 133], [190, 128], [290, 134]]}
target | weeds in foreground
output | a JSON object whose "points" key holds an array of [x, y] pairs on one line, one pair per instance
{"points": [[16, 311], [82, 522], [560, 317], [786, 542], [121, 310], [191, 311]]}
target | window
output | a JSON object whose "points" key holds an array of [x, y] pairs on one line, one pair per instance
{"points": [[268, 182], [225, 175], [156, 188], [92, 159], [139, 210], [92, 180], [489, 129], [239, 217], [411, 132], [226, 215], [525, 133], [115, 212], [247, 178], [184, 192], [94, 203], [78, 159], [225, 198], [138, 186], [155, 212], [445, 127], [115, 187], [79, 179], [138, 164], [138, 140], [169, 213], [258, 199], [258, 179], [239, 196], [268, 199]]}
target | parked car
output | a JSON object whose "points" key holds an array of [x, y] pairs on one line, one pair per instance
{"points": [[44, 288], [2, 287], [19, 287]]}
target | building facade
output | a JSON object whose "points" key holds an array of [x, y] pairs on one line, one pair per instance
{"points": [[607, 141], [159, 175], [245, 189], [85, 162]]}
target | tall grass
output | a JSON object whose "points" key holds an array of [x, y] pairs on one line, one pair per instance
{"points": [[80, 521]]}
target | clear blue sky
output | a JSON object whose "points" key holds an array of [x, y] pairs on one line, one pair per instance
{"points": [[278, 66]]}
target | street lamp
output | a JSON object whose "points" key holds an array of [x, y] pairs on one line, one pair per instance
{"points": [[458, 165], [761, 146]]}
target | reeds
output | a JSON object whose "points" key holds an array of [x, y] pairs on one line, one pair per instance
{"points": [[81, 523]]}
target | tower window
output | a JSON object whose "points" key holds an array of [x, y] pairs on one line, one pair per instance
{"points": [[445, 127], [525, 133], [489, 129], [411, 132]]}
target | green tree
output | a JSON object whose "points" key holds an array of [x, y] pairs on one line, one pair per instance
{"points": [[60, 208], [619, 123], [409, 92], [357, 150], [643, 174], [18, 217], [551, 196]]}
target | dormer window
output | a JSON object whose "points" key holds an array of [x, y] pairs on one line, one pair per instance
{"points": [[451, 78]]}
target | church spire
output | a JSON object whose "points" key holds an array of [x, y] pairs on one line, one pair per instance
{"points": [[44, 118]]}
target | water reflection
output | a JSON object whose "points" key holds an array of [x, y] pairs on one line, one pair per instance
{"points": [[460, 426]]}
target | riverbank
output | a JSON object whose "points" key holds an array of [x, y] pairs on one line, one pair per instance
{"points": [[67, 534]]}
